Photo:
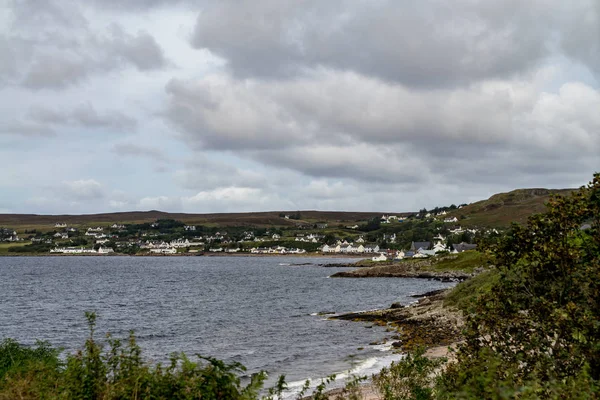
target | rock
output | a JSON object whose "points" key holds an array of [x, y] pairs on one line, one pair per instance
{"points": [[397, 344], [396, 305]]}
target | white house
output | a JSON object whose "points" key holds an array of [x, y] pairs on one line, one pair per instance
{"points": [[399, 255], [60, 225], [450, 220], [380, 257], [72, 250], [169, 250], [371, 249], [105, 250], [439, 247]]}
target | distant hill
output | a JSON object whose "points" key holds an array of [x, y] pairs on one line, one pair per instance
{"points": [[497, 211], [254, 219], [503, 208]]}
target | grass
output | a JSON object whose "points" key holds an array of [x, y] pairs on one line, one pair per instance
{"points": [[465, 293], [466, 261], [5, 246], [503, 208]]}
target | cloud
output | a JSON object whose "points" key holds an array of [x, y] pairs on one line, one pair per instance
{"points": [[582, 30], [53, 46], [84, 115], [139, 150], [345, 125], [418, 43], [79, 190], [140, 50], [25, 128]]}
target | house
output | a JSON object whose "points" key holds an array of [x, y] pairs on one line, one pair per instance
{"points": [[102, 241], [457, 231], [117, 226], [168, 250], [275, 236], [371, 249], [105, 250], [352, 227], [360, 240], [380, 257], [419, 245], [389, 237], [439, 247], [322, 225], [60, 225], [422, 253], [450, 220], [460, 247], [72, 250], [399, 255]]}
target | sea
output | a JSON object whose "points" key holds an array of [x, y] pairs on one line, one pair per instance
{"points": [[267, 313]]}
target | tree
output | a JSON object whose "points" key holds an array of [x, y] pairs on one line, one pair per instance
{"points": [[537, 330]]}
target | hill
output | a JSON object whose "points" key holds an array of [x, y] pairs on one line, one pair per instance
{"points": [[503, 208], [253, 219]]}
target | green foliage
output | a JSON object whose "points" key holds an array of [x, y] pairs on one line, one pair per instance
{"points": [[466, 261], [31, 248], [410, 378], [466, 293], [535, 331]]}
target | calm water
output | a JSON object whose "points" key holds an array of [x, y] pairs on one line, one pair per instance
{"points": [[258, 311]]}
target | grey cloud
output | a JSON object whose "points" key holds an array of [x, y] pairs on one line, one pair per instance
{"points": [[344, 125], [138, 150], [422, 43], [54, 72], [46, 53], [140, 50], [206, 174], [25, 128], [84, 189], [581, 39], [84, 115]]}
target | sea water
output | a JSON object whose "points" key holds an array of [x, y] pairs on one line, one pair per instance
{"points": [[264, 312]]}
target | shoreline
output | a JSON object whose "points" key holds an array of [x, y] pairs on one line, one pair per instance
{"points": [[427, 324], [305, 255]]}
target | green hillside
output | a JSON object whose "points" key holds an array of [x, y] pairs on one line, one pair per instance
{"points": [[503, 208]]}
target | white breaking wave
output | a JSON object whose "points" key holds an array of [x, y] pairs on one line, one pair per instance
{"points": [[367, 367]]}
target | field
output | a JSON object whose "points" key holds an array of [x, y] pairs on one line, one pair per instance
{"points": [[503, 208], [5, 246], [22, 222]]}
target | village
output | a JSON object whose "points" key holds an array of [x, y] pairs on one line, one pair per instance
{"points": [[389, 237]]}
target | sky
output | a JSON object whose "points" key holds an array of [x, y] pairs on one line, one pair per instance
{"points": [[352, 105]]}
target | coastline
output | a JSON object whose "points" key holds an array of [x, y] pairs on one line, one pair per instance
{"points": [[305, 255]]}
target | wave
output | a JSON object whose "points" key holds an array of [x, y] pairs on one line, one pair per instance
{"points": [[367, 367]]}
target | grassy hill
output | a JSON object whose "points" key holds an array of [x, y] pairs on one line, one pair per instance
{"points": [[503, 208], [256, 219], [497, 211]]}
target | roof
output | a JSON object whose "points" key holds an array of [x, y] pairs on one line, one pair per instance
{"points": [[420, 245], [464, 247]]}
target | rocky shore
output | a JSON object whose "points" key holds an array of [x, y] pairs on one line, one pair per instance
{"points": [[414, 269], [427, 323]]}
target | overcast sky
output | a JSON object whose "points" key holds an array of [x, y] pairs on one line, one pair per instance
{"points": [[219, 106]]}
